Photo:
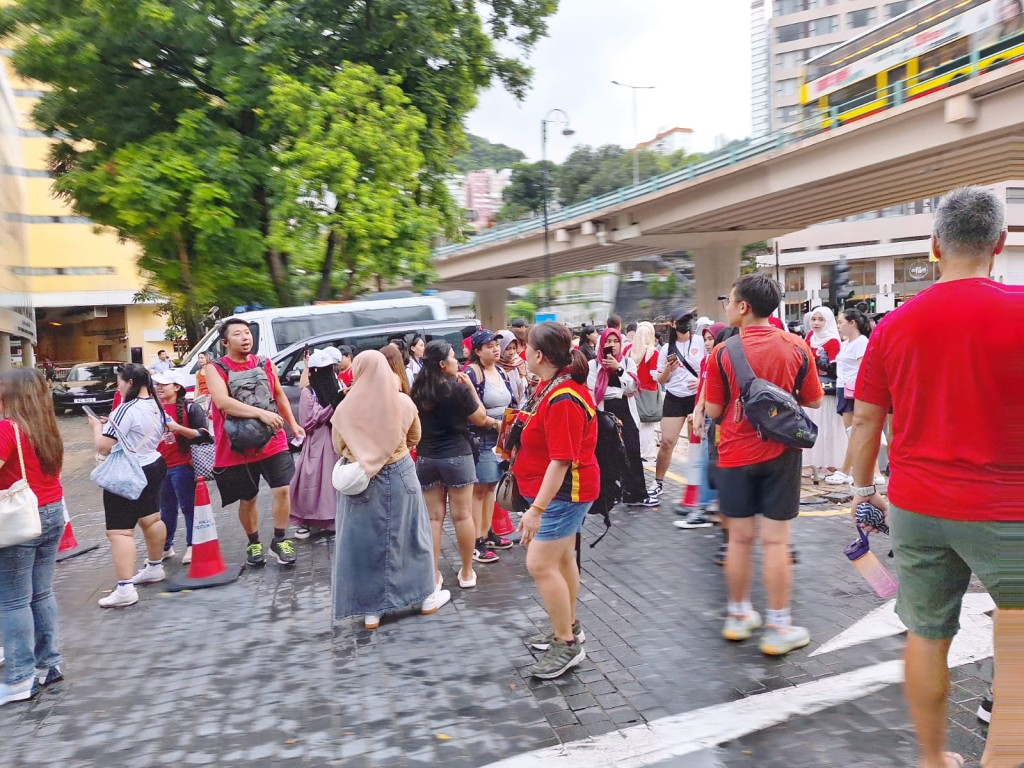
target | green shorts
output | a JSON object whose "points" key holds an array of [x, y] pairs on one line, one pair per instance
{"points": [[935, 558]]}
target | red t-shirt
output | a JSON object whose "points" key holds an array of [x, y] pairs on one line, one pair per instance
{"points": [[775, 356], [173, 457], [223, 455], [957, 449], [646, 372], [831, 347], [46, 487], [345, 377], [563, 427]]}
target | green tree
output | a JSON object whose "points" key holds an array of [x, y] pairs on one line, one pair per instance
{"points": [[750, 253], [483, 154], [522, 308], [138, 77], [525, 190]]}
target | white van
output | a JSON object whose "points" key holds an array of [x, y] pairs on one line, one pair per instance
{"points": [[276, 329]]}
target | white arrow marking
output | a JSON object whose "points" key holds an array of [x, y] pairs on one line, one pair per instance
{"points": [[705, 728]]}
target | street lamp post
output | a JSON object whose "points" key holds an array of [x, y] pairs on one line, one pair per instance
{"points": [[636, 137], [562, 119]]}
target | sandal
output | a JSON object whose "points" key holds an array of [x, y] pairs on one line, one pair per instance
{"points": [[957, 760]]}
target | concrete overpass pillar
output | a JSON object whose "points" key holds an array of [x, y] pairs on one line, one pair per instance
{"points": [[715, 268], [490, 307], [28, 353], [5, 351]]}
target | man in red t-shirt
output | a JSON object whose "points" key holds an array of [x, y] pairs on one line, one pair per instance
{"points": [[956, 491], [237, 474], [757, 477]]}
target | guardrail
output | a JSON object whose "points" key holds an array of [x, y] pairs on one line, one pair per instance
{"points": [[733, 154]]}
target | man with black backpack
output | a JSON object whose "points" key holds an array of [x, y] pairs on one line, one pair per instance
{"points": [[250, 411], [756, 383]]}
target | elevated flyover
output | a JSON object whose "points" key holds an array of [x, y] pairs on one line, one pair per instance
{"points": [[971, 132]]}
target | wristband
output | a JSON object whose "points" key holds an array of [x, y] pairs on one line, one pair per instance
{"points": [[539, 508]]}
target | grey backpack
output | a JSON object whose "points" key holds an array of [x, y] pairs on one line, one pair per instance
{"points": [[251, 387]]}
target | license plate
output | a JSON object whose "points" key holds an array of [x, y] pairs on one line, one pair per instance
{"points": [[84, 400]]}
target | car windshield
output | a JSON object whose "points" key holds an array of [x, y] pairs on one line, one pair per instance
{"points": [[93, 373]]}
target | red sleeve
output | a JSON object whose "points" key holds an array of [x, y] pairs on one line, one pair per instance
{"points": [[832, 347], [811, 389], [872, 381], [564, 424], [714, 390], [7, 447]]}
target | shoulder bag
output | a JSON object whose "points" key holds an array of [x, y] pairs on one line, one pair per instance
{"points": [[121, 473], [19, 507]]}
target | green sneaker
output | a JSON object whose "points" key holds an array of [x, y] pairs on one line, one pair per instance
{"points": [[284, 551], [778, 641], [542, 641], [741, 627], [254, 554], [558, 659]]}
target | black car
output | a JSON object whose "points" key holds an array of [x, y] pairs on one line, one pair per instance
{"points": [[92, 384]]}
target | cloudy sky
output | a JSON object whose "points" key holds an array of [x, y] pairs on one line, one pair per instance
{"points": [[696, 53]]}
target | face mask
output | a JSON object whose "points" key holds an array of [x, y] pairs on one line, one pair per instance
{"points": [[683, 326]]}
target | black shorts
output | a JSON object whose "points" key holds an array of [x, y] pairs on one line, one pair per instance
{"points": [[844, 404], [676, 407], [241, 482], [771, 488], [123, 514]]}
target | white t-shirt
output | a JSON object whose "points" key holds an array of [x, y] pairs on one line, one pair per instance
{"points": [[682, 383], [848, 361], [141, 421]]}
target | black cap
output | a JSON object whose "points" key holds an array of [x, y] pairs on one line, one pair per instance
{"points": [[518, 323], [680, 315]]}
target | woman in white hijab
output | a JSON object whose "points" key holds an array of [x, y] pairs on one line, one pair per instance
{"points": [[384, 551], [829, 449]]}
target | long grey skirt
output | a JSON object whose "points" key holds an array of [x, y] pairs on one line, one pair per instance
{"points": [[383, 551]]}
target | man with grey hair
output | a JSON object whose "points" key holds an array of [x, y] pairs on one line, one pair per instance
{"points": [[956, 491]]}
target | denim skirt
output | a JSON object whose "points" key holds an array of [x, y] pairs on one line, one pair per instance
{"points": [[383, 550], [487, 470]]}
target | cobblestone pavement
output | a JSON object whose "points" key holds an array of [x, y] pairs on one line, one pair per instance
{"points": [[255, 671]]}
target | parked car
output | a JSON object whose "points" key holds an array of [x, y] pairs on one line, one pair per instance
{"points": [[92, 384], [291, 360]]}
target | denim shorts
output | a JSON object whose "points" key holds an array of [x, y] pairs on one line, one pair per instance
{"points": [[451, 472], [562, 519], [487, 470]]}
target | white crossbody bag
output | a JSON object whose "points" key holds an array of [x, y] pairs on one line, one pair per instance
{"points": [[19, 507]]}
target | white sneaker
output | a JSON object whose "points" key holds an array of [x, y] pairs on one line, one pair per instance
{"points": [[119, 599], [168, 553], [371, 620], [467, 583], [1, 655], [150, 574], [440, 598], [838, 478], [879, 480], [186, 559]]}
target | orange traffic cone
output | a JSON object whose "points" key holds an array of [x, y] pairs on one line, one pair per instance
{"points": [[68, 546], [208, 568], [694, 468], [501, 523]]}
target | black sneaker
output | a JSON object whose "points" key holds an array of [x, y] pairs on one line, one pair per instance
{"points": [[284, 551], [723, 550], [45, 677], [558, 659], [792, 556], [695, 519], [649, 501], [494, 541], [254, 554], [985, 708]]}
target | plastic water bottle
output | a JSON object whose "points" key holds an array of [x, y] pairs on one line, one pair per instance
{"points": [[874, 573]]}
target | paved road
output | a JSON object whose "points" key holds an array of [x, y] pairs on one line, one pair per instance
{"points": [[256, 671]]}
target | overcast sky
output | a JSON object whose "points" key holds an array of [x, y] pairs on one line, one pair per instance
{"points": [[696, 53]]}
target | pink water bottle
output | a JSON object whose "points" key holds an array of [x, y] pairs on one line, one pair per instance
{"points": [[870, 568]]}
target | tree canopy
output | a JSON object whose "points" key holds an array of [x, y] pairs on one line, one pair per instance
{"points": [[192, 129], [482, 154]]}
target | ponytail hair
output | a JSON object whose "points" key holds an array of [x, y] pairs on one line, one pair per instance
{"points": [[859, 319], [554, 341], [138, 378]]}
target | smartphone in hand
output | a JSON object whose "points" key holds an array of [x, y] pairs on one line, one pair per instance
{"points": [[90, 412], [607, 351]]}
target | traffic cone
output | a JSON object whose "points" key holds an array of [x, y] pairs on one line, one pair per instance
{"points": [[694, 470], [501, 523], [208, 568], [68, 546]]}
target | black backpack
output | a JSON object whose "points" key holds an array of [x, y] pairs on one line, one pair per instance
{"points": [[611, 460], [774, 413]]}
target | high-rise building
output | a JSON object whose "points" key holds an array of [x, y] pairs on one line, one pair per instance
{"points": [[760, 93], [484, 195]]}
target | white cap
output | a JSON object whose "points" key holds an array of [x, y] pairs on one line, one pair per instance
{"points": [[332, 352], [177, 376], [320, 359], [704, 321]]}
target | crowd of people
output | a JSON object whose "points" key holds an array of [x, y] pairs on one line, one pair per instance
{"points": [[418, 435]]}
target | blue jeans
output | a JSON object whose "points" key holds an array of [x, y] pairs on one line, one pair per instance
{"points": [[707, 493], [26, 597], [178, 490]]}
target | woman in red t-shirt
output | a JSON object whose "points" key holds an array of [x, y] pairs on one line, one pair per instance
{"points": [[186, 424], [30, 448], [557, 472], [644, 352], [830, 448]]}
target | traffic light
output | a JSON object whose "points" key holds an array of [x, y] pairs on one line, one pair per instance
{"points": [[805, 307], [839, 284]]}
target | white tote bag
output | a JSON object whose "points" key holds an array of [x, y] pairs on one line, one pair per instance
{"points": [[349, 478], [19, 507]]}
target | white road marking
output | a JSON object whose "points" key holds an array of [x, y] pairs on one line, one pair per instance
{"points": [[706, 728]]}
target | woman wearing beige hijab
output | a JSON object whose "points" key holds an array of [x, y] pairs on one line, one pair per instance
{"points": [[384, 553]]}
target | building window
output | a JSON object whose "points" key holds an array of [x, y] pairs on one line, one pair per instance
{"points": [[862, 273], [789, 60], [787, 114], [783, 7], [786, 87], [821, 3], [790, 32], [895, 9], [794, 279], [823, 26], [914, 269], [862, 18], [1015, 195]]}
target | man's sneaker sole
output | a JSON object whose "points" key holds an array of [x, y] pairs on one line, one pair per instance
{"points": [[128, 604], [744, 631], [574, 661], [689, 526], [769, 648], [482, 557]]}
